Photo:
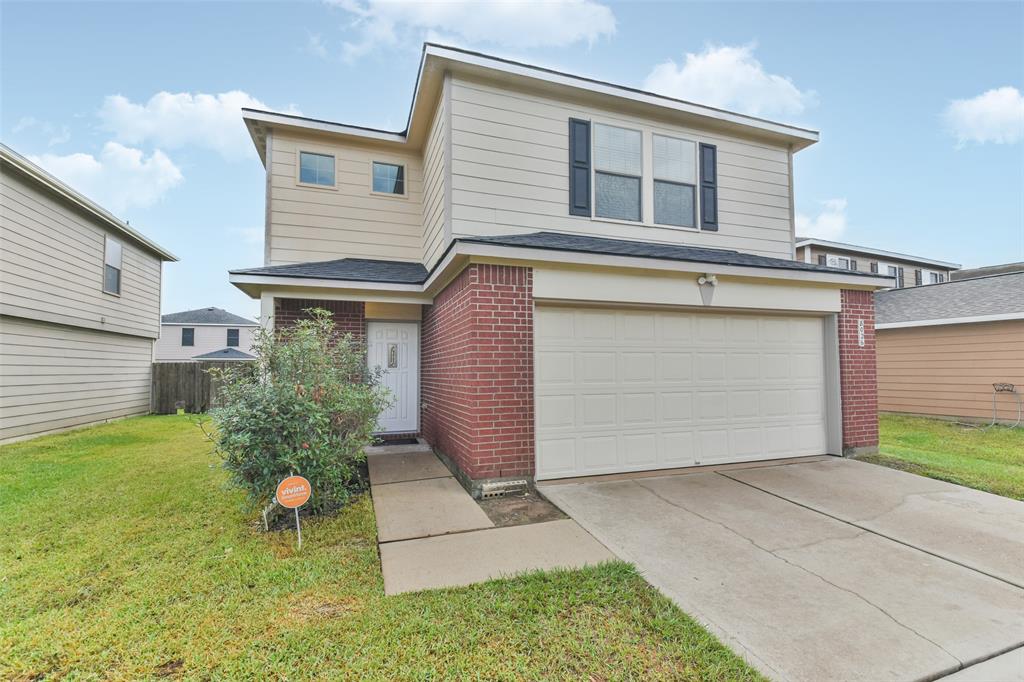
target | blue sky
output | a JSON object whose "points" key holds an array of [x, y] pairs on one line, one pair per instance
{"points": [[919, 105]]}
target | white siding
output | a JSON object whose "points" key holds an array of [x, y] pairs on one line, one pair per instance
{"points": [[348, 220], [510, 174], [51, 266], [54, 377], [207, 338]]}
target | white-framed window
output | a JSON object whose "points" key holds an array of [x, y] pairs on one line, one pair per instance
{"points": [[316, 169], [675, 181], [112, 256], [894, 271], [188, 336], [618, 174], [838, 262], [387, 178], [232, 337], [936, 278]]}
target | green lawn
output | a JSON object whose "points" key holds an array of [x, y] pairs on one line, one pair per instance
{"points": [[124, 556], [990, 459]]}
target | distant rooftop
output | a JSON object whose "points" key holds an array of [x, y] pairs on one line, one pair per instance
{"points": [[207, 316], [225, 354], [996, 295], [985, 271], [895, 255]]}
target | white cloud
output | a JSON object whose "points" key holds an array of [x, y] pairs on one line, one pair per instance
{"points": [[119, 178], [729, 78], [54, 135], [994, 116], [510, 23], [315, 45], [174, 120], [830, 223]]}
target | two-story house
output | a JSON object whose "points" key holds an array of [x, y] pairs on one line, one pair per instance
{"points": [[205, 334], [904, 269], [79, 306], [565, 277]]}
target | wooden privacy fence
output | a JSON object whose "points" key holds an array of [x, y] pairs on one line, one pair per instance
{"points": [[185, 384]]}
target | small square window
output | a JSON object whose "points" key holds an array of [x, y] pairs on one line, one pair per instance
{"points": [[188, 336], [112, 254], [388, 178], [316, 169], [233, 337]]}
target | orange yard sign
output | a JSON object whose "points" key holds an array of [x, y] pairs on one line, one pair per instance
{"points": [[293, 492]]}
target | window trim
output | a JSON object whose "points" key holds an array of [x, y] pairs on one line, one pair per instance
{"points": [[641, 190], [405, 183], [696, 178], [182, 339], [238, 337], [646, 178], [319, 152], [120, 270], [839, 258]]}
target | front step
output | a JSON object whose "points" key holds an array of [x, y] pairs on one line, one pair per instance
{"points": [[420, 446]]}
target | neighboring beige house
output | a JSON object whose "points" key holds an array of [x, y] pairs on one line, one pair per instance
{"points": [[564, 277], [941, 348], [205, 334], [907, 271], [79, 306]]}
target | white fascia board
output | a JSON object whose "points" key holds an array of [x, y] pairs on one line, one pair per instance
{"points": [[802, 135], [840, 246], [279, 281], [321, 126], [577, 258], [952, 320]]}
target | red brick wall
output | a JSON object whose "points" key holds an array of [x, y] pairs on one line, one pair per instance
{"points": [[477, 371], [349, 316], [857, 372]]}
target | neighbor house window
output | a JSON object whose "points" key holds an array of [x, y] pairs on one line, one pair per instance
{"points": [[112, 266], [388, 178], [936, 278], [675, 174], [188, 336], [617, 175], [839, 262], [232, 337], [316, 169], [898, 274]]}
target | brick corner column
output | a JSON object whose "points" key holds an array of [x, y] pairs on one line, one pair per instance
{"points": [[858, 378]]}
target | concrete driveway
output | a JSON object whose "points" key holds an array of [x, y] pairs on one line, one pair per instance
{"points": [[826, 570]]}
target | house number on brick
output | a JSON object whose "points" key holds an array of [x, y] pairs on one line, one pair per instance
{"points": [[860, 333]]}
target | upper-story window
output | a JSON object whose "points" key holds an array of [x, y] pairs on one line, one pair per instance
{"points": [[232, 337], [898, 274], [316, 169], [840, 262], [675, 179], [936, 277], [618, 159], [388, 178], [112, 253], [188, 336]]}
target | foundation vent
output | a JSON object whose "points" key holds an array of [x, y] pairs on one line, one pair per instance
{"points": [[501, 488]]}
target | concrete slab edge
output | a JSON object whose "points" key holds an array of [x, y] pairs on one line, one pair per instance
{"points": [[720, 633]]}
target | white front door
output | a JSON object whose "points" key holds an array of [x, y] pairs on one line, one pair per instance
{"points": [[394, 347]]}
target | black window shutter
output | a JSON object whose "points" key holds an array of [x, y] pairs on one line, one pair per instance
{"points": [[708, 187], [853, 264], [874, 267], [917, 277], [899, 277], [579, 167], [822, 260]]}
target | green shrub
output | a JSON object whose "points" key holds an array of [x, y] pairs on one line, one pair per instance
{"points": [[307, 406]]}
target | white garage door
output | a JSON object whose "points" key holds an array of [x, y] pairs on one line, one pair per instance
{"points": [[630, 390]]}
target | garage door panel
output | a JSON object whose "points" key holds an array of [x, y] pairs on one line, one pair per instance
{"points": [[621, 390]]}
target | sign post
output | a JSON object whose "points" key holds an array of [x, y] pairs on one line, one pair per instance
{"points": [[292, 493]]}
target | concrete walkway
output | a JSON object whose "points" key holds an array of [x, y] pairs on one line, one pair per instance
{"points": [[432, 534], [830, 570]]}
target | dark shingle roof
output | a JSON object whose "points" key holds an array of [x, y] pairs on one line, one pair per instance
{"points": [[355, 269], [207, 316], [398, 272], [225, 354], [620, 247], [994, 295]]}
